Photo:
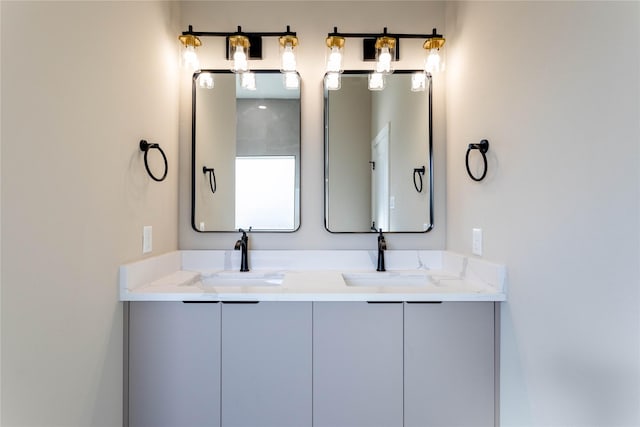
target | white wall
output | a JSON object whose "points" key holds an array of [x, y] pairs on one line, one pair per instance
{"points": [[555, 88], [82, 83], [312, 20]]}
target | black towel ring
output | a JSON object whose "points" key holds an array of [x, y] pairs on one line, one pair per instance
{"points": [[145, 146], [483, 147], [212, 178], [420, 173]]}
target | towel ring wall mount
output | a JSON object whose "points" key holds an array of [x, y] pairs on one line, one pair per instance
{"points": [[482, 147], [146, 146]]}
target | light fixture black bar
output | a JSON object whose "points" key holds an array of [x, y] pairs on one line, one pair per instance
{"points": [[190, 31], [385, 33]]}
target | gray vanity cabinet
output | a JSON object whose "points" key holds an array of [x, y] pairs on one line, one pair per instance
{"points": [[449, 364], [174, 364], [357, 364], [266, 364]]}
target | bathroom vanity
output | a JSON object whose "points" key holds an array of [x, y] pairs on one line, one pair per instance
{"points": [[413, 346]]}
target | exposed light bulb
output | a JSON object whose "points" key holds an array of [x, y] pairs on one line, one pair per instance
{"points": [[288, 59], [432, 64], [376, 81], [384, 61], [248, 80], [418, 81], [205, 81], [333, 81], [190, 58], [334, 62], [240, 60], [291, 80]]}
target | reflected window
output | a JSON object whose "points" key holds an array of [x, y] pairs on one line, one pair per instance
{"points": [[265, 192]]}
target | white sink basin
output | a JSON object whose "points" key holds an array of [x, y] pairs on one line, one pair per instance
{"points": [[387, 278], [241, 279]]}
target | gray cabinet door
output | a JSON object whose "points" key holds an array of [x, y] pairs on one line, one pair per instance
{"points": [[174, 364], [357, 364], [449, 364], [266, 364]]}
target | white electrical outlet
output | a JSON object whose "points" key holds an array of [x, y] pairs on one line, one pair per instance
{"points": [[476, 242], [147, 239]]}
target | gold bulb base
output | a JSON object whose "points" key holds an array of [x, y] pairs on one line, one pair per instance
{"points": [[434, 43], [288, 39], [335, 41], [190, 40]]}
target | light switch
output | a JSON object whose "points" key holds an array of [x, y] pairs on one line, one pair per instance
{"points": [[147, 239]]}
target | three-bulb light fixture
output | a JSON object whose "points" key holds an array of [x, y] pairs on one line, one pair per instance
{"points": [[384, 49], [241, 47]]}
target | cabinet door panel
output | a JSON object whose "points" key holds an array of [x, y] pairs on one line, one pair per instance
{"points": [[449, 364], [357, 364], [266, 364], [174, 364]]}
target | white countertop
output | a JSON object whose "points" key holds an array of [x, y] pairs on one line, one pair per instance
{"points": [[312, 275]]}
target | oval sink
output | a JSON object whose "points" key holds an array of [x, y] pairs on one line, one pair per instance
{"points": [[387, 278], [241, 279]]}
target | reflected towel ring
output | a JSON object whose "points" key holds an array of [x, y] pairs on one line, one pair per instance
{"points": [[483, 147], [212, 178], [145, 146], [420, 173]]}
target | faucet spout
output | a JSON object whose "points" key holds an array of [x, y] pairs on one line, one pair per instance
{"points": [[382, 245], [242, 245]]}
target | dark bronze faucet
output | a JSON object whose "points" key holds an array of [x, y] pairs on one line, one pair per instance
{"points": [[382, 245], [242, 245]]}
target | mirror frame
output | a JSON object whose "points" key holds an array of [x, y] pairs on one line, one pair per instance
{"points": [[429, 149], [194, 79]]}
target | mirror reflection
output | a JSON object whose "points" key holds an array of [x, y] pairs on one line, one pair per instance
{"points": [[378, 166], [246, 152]]}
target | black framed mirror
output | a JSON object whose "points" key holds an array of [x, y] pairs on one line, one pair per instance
{"points": [[378, 154], [245, 151]]}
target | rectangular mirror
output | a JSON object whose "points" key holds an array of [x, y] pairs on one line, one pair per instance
{"points": [[378, 163], [246, 152]]}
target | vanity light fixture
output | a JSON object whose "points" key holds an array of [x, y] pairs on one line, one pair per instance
{"points": [[334, 55], [385, 51], [384, 48], [433, 64], [242, 47], [288, 44], [239, 52], [189, 55]]}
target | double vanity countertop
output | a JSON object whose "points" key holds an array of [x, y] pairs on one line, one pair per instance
{"points": [[312, 275]]}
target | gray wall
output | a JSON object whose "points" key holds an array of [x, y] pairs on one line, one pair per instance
{"points": [[82, 83], [560, 205]]}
